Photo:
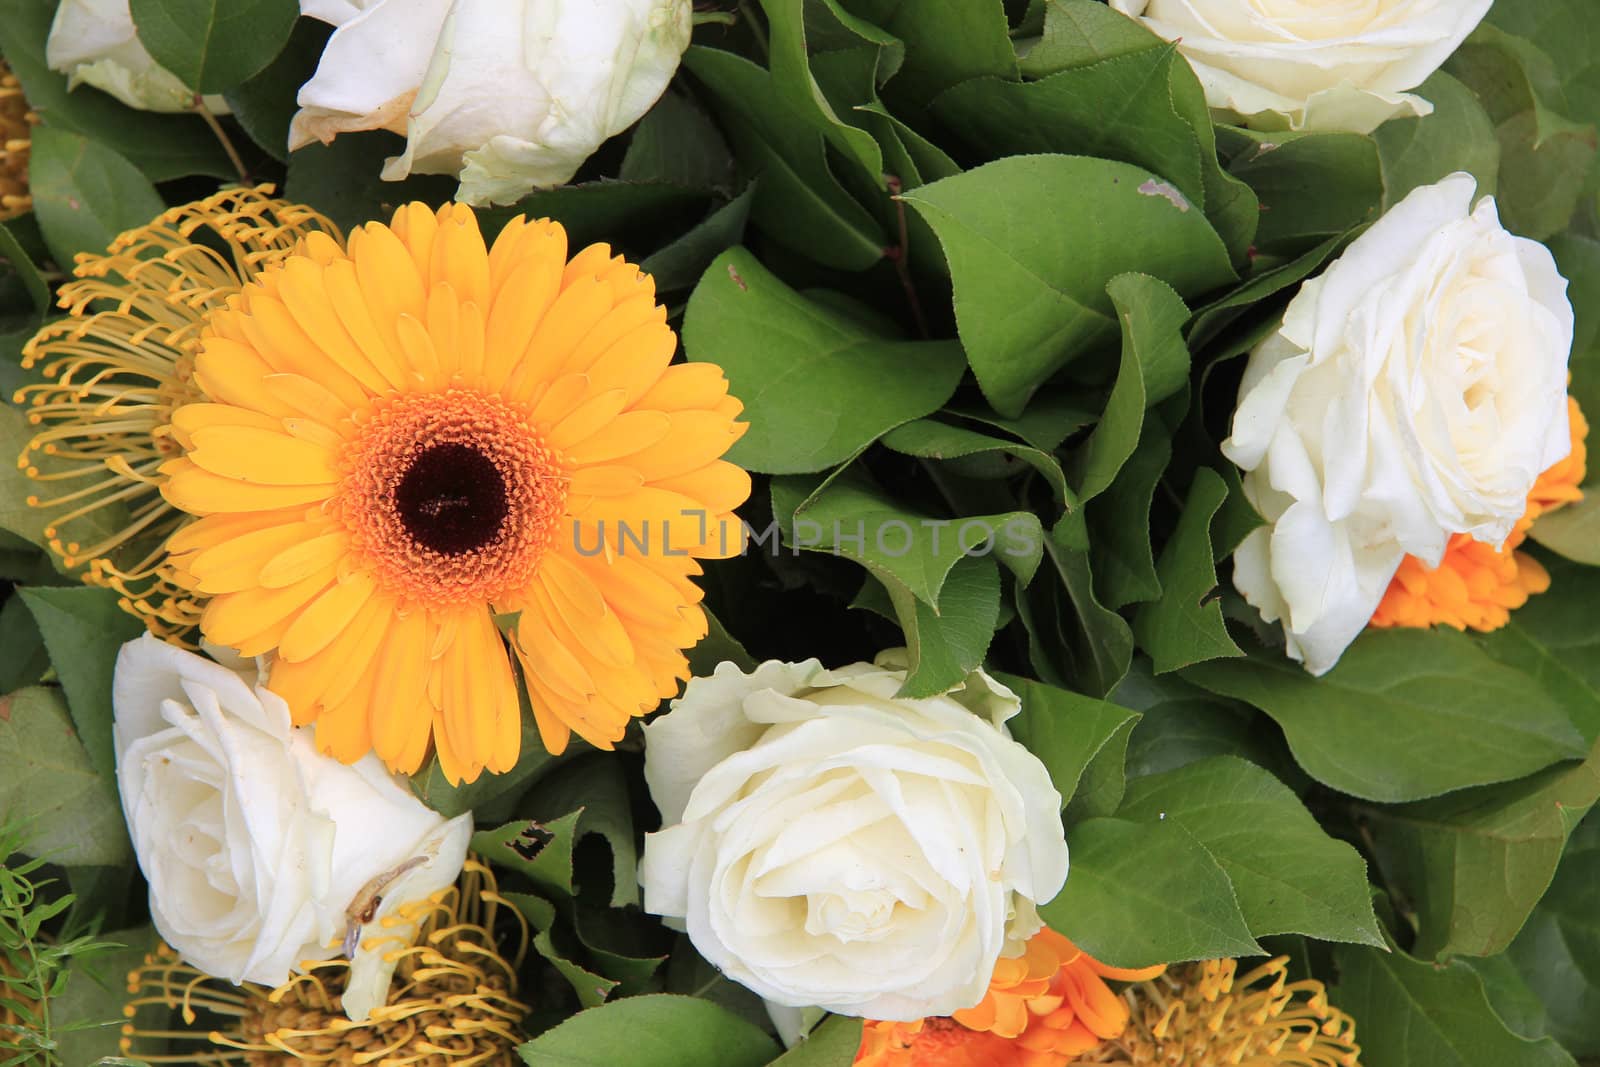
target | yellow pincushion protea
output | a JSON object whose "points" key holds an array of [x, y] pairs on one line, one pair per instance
{"points": [[453, 1002], [1209, 1015], [402, 441], [16, 137], [1477, 586], [117, 365]]}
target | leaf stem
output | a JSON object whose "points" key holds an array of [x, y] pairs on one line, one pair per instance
{"points": [[901, 254], [222, 138]]}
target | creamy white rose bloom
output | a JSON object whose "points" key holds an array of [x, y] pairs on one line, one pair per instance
{"points": [[93, 42], [828, 844], [1303, 65], [508, 95], [1416, 389], [255, 844]]}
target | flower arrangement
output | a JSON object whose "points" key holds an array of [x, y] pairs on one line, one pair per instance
{"points": [[988, 533]]}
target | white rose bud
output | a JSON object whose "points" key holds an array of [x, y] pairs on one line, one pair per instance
{"points": [[93, 42], [828, 844], [260, 851], [1415, 390], [1330, 65], [507, 95]]}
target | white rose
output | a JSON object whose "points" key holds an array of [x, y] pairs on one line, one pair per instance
{"points": [[256, 846], [508, 95], [828, 844], [93, 42], [1326, 65], [1416, 389]]}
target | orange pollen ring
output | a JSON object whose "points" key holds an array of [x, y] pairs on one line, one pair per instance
{"points": [[451, 497]]}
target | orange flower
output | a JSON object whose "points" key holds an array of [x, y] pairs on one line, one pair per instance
{"points": [[1042, 1009], [1477, 586], [413, 451]]}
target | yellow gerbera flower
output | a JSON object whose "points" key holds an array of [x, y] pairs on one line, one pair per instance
{"points": [[1208, 1015], [117, 365], [407, 444], [16, 137], [453, 1001]]}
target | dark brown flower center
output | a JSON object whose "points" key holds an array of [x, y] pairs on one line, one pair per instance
{"points": [[452, 499]]}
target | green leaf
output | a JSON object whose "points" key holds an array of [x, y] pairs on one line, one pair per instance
{"points": [[945, 43], [1119, 523], [833, 1043], [948, 644], [817, 387], [542, 851], [1458, 136], [1078, 33], [162, 146], [264, 104], [25, 660], [1102, 646], [1406, 714], [1555, 639], [85, 194], [593, 786], [677, 143], [1558, 951], [792, 79], [660, 1030], [1476, 862], [1140, 894], [1155, 364], [213, 45], [1289, 876], [97, 989], [1023, 309], [798, 199], [342, 180], [932, 439], [1185, 626], [17, 259], [1573, 530], [849, 516], [83, 629], [1412, 1013], [21, 521], [70, 812], [681, 263], [1312, 185], [1065, 730], [1143, 107]]}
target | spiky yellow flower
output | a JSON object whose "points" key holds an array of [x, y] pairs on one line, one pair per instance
{"points": [[1477, 586], [453, 1002], [1208, 1015], [117, 365], [411, 443], [16, 137], [1042, 1009]]}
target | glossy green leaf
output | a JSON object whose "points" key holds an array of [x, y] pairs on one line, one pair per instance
{"points": [[1024, 310], [1412, 1013], [677, 143], [1143, 893], [84, 193], [832, 1044], [1458, 136], [1312, 186], [660, 1030], [1065, 730], [1406, 714], [1558, 951], [798, 199], [946, 645], [794, 83], [70, 811], [1185, 625], [932, 439], [817, 388], [264, 104], [1119, 523], [945, 43], [1288, 875], [540, 850], [1155, 364], [213, 45], [1078, 33], [83, 628], [162, 146]]}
